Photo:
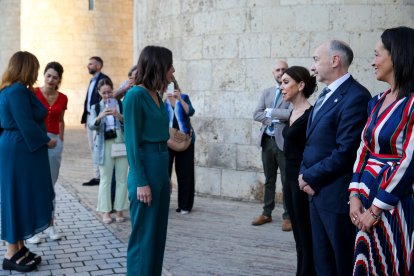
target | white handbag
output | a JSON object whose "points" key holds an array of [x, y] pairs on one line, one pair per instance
{"points": [[118, 150]]}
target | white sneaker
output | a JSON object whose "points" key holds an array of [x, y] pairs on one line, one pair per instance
{"points": [[53, 235], [184, 212], [34, 240]]}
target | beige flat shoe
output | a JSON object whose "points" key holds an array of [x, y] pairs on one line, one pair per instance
{"points": [[106, 218], [120, 219]]}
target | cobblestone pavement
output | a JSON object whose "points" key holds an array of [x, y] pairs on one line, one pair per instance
{"points": [[88, 247], [216, 238]]}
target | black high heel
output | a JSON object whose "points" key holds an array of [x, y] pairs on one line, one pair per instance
{"points": [[23, 266]]}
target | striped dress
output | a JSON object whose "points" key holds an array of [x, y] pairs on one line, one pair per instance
{"points": [[384, 176]]}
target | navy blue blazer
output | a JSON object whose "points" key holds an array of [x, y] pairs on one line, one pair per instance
{"points": [[332, 140], [95, 97]]}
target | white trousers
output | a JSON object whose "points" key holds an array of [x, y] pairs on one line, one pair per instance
{"points": [[121, 172]]}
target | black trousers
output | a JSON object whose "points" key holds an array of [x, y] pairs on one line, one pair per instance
{"points": [[297, 205], [184, 169]]}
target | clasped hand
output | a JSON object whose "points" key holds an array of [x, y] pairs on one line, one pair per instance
{"points": [[304, 186], [360, 218]]}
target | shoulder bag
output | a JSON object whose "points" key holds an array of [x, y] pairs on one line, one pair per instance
{"points": [[118, 150], [179, 141]]}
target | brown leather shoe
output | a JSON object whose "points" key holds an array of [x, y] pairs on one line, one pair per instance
{"points": [[286, 225], [262, 219]]}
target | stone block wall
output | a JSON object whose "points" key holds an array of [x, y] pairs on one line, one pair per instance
{"points": [[70, 33], [224, 51], [9, 31]]}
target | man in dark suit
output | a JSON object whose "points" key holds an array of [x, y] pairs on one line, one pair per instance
{"points": [[333, 136], [92, 97], [273, 112]]}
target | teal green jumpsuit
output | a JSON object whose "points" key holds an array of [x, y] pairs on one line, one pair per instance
{"points": [[146, 135]]}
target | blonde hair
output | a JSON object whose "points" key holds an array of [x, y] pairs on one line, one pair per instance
{"points": [[23, 67]]}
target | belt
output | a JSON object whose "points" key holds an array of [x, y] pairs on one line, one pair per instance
{"points": [[11, 129], [154, 147], [265, 135]]}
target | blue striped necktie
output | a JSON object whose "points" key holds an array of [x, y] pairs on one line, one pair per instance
{"points": [[319, 102]]}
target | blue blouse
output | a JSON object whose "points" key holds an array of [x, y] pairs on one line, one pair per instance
{"points": [[182, 118]]}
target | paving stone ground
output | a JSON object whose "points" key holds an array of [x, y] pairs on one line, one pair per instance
{"points": [[215, 239], [88, 247]]}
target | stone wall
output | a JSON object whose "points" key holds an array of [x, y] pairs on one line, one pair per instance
{"points": [[224, 51], [70, 33], [9, 31]]}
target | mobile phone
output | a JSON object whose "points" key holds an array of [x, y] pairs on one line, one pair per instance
{"points": [[110, 103], [170, 89]]}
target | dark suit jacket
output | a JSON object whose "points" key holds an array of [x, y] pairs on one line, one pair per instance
{"points": [[95, 97], [332, 140]]}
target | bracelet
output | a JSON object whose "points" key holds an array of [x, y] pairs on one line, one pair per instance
{"points": [[351, 196], [376, 217]]}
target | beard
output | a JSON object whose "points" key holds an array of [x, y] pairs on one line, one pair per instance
{"points": [[92, 71]]}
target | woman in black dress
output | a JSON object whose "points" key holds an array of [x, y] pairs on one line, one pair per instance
{"points": [[297, 86]]}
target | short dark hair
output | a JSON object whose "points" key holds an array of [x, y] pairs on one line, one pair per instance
{"points": [[399, 43], [57, 67], [104, 81], [98, 59], [153, 65], [347, 55], [299, 73]]}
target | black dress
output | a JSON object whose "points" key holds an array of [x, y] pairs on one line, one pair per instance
{"points": [[296, 200]]}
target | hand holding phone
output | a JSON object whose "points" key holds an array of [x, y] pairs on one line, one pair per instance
{"points": [[110, 103], [170, 89]]}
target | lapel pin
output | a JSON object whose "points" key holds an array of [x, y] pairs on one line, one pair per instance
{"points": [[336, 100]]}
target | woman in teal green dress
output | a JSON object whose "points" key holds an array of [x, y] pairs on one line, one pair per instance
{"points": [[26, 185], [146, 134]]}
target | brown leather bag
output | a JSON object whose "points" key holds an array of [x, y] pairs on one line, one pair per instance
{"points": [[179, 141]]}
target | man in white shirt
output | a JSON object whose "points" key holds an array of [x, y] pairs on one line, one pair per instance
{"points": [[92, 97]]}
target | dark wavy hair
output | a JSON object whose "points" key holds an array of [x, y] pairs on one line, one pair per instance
{"points": [[57, 67], [399, 43], [299, 73], [153, 65]]}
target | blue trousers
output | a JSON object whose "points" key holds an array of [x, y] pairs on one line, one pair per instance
{"points": [[149, 223], [333, 238]]}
